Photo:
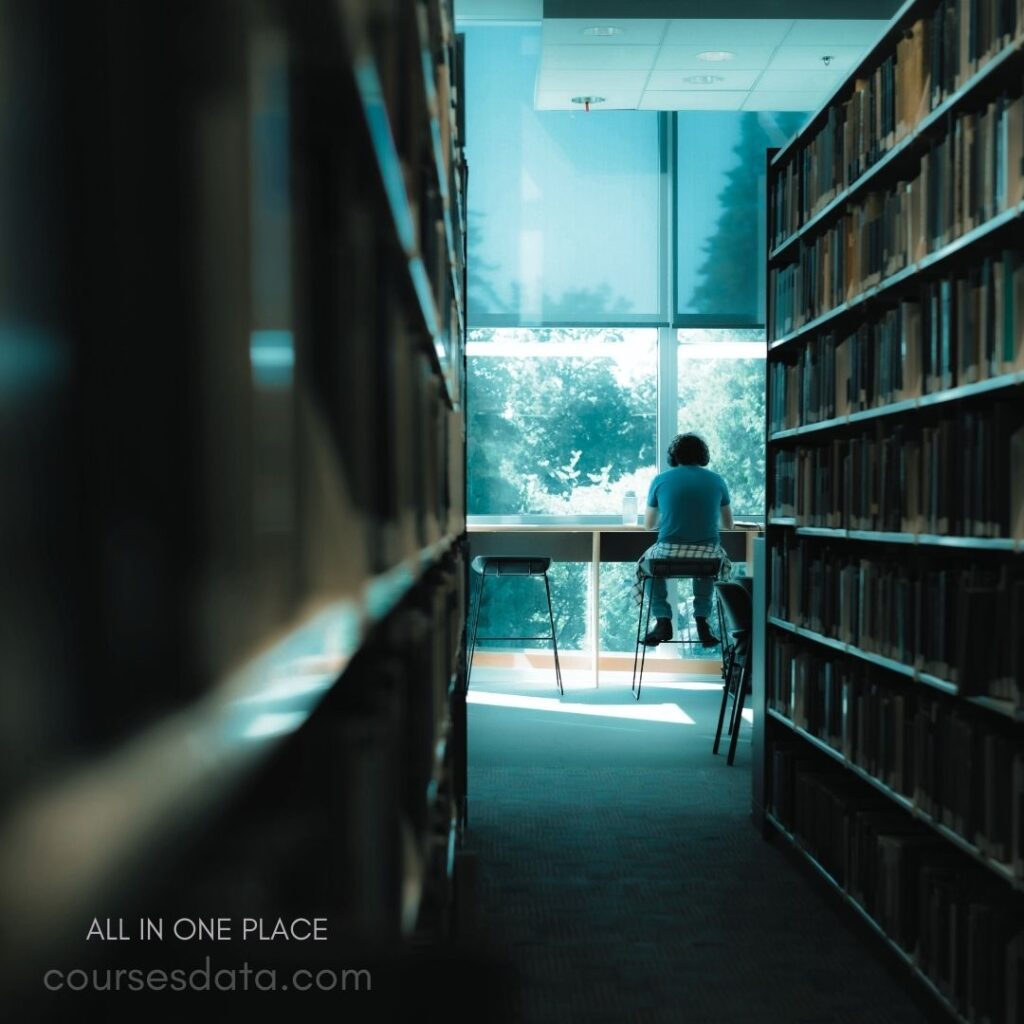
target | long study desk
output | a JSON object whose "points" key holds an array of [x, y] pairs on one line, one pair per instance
{"points": [[590, 539]]}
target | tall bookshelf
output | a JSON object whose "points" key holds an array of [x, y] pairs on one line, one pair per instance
{"points": [[891, 717], [236, 682]]}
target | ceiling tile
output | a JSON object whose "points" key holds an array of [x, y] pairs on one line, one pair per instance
{"points": [[582, 80], [808, 58], [507, 10], [771, 100], [682, 99], [812, 33], [635, 31], [793, 81], [724, 79], [726, 33], [561, 99], [625, 57], [676, 57]]}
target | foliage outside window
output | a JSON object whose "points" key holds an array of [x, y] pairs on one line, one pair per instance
{"points": [[721, 389], [561, 421]]}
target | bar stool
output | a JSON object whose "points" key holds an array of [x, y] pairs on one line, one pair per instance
{"points": [[492, 565], [736, 604], [667, 569]]}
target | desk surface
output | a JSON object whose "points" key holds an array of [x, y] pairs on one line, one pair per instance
{"points": [[474, 525], [582, 541], [569, 527]]}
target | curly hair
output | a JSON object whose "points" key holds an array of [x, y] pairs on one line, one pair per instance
{"points": [[688, 450]]}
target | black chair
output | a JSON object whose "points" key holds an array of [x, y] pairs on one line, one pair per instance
{"points": [[667, 569], [492, 565], [736, 605]]}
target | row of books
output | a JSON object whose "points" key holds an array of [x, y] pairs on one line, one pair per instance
{"points": [[428, 631], [372, 368], [441, 40], [935, 56], [960, 329], [958, 765], [386, 734], [401, 35], [957, 926], [956, 620], [975, 171], [961, 475], [445, 255], [378, 364]]}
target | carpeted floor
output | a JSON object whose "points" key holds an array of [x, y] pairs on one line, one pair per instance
{"points": [[621, 877]]}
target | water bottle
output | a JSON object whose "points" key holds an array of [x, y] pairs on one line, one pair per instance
{"points": [[629, 508]]}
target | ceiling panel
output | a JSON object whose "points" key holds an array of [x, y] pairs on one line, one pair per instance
{"points": [[809, 58], [779, 59], [499, 10], [571, 31], [796, 81], [764, 99], [561, 99], [673, 57], [691, 99], [723, 79], [611, 57], [726, 33], [587, 81], [854, 33]]}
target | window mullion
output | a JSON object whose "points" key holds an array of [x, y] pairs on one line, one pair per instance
{"points": [[668, 391]]}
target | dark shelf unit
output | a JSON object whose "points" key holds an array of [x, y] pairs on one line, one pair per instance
{"points": [[866, 686], [232, 255]]}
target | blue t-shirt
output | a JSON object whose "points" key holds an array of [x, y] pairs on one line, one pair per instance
{"points": [[689, 500]]}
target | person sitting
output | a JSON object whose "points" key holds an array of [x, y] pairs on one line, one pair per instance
{"points": [[686, 504]]}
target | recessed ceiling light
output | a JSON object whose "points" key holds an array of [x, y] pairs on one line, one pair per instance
{"points": [[704, 79], [716, 55], [603, 30]]}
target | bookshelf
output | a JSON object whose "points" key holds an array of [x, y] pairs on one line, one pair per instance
{"points": [[259, 546], [892, 714]]}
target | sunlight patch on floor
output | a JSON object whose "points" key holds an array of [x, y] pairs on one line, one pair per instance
{"points": [[637, 712]]}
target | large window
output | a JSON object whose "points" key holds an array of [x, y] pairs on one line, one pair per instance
{"points": [[600, 324], [561, 421], [721, 388], [720, 173], [564, 207]]}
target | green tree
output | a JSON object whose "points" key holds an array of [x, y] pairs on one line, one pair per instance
{"points": [[545, 427], [730, 272], [723, 401], [556, 433]]}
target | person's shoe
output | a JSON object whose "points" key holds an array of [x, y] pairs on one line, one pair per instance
{"points": [[704, 634], [662, 631]]}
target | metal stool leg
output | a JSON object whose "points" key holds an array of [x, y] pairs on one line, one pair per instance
{"points": [[726, 689], [639, 626], [476, 623], [643, 649], [738, 709], [722, 634], [554, 641]]}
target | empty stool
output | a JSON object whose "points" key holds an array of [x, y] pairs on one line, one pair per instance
{"points": [[736, 605], [668, 569], [491, 565]]}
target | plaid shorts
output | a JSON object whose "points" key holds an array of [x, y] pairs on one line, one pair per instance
{"points": [[662, 549]]}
